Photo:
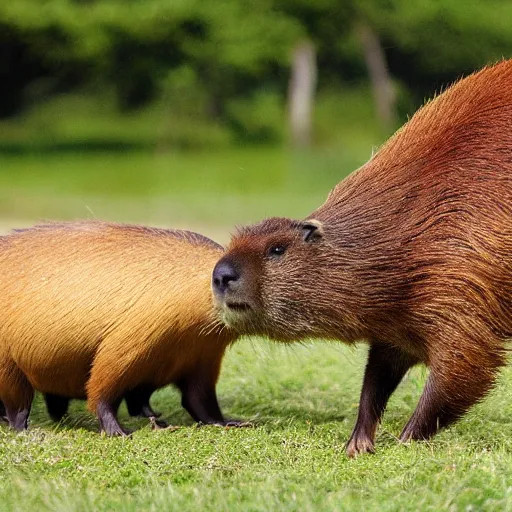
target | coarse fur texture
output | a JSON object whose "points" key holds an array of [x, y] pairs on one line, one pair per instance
{"points": [[412, 253], [102, 311]]}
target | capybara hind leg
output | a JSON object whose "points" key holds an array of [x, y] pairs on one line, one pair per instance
{"points": [[56, 405], [137, 402], [200, 401], [455, 384], [385, 369], [109, 382], [16, 393], [2, 412]]}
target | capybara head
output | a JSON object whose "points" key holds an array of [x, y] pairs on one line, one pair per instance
{"points": [[264, 282]]}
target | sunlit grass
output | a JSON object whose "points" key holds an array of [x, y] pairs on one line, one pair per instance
{"points": [[303, 402]]}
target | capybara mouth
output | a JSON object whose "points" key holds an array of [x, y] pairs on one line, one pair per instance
{"points": [[238, 306]]}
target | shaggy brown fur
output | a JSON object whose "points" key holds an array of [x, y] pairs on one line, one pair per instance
{"points": [[98, 311], [413, 253]]}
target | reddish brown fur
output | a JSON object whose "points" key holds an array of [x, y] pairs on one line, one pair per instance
{"points": [[93, 310], [414, 255]]}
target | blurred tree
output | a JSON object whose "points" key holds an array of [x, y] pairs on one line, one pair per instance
{"points": [[301, 93], [239, 52]]}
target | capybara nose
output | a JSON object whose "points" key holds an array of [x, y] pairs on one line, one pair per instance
{"points": [[224, 275]]}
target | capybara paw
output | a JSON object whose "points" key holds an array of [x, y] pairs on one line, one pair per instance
{"points": [[357, 445], [157, 424]]}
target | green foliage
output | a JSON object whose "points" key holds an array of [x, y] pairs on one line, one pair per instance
{"points": [[225, 63]]}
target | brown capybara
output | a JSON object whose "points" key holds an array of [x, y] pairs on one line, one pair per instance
{"points": [[412, 253], [101, 311]]}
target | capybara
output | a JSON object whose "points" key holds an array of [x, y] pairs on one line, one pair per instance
{"points": [[412, 253], [101, 311]]}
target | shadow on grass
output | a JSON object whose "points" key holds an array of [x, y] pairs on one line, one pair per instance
{"points": [[267, 414]]}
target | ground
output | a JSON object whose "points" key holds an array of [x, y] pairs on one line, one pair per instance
{"points": [[303, 403]]}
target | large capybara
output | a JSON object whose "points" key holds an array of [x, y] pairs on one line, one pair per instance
{"points": [[412, 253], [104, 311]]}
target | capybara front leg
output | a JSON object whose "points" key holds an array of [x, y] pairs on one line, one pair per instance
{"points": [[113, 371], [199, 397], [106, 413], [201, 403], [16, 394], [137, 402], [455, 383], [200, 400], [18, 418], [385, 369]]}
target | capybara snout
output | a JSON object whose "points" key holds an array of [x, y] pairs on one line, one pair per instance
{"points": [[258, 256], [225, 277]]}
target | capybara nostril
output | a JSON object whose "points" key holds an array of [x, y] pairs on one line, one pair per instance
{"points": [[224, 274]]}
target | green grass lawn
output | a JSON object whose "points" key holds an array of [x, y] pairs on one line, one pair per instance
{"points": [[212, 191], [302, 399], [303, 402]]}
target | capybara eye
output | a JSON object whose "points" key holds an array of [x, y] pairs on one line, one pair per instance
{"points": [[277, 250]]}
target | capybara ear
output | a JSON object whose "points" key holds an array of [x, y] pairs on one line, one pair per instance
{"points": [[312, 230]]}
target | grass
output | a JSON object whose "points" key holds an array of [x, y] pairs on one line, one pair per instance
{"points": [[303, 401], [212, 191]]}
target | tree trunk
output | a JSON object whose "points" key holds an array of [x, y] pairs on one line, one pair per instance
{"points": [[382, 86], [301, 93]]}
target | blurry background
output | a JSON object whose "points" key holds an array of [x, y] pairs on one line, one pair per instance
{"points": [[206, 114]]}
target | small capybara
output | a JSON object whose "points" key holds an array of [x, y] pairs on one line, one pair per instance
{"points": [[412, 253], [102, 311]]}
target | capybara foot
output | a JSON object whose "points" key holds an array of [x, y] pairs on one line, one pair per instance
{"points": [[417, 432], [108, 421], [359, 444], [148, 412], [18, 420], [115, 431]]}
